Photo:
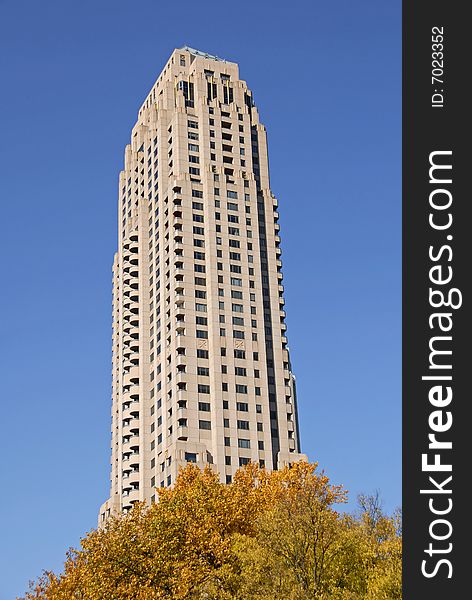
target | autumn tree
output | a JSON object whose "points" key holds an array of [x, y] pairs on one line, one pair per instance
{"points": [[266, 536]]}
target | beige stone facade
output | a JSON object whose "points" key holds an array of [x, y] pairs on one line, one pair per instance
{"points": [[201, 368]]}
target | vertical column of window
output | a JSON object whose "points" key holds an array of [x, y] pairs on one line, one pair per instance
{"points": [[202, 368], [161, 296], [140, 169], [212, 134], [239, 328], [241, 140], [228, 95], [267, 314], [226, 142], [201, 316], [172, 282], [130, 409], [177, 367], [152, 166], [116, 356], [153, 305], [193, 154], [187, 88], [200, 311], [223, 305], [212, 91], [126, 206]]}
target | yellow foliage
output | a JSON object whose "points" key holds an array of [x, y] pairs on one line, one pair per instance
{"points": [[266, 536]]}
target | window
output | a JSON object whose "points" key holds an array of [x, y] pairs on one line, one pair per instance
{"points": [[199, 268], [228, 479], [227, 95], [238, 334], [225, 422], [236, 281], [258, 408], [227, 441], [260, 445], [200, 307], [197, 205], [239, 354], [203, 389], [241, 389], [225, 404], [235, 256], [231, 194], [202, 334], [232, 206], [203, 371], [238, 321], [201, 320], [204, 406], [227, 460], [191, 457], [192, 124], [244, 443], [202, 353], [211, 90], [233, 231], [193, 148], [200, 281], [259, 427], [199, 243], [243, 461], [241, 371], [236, 294], [200, 294], [234, 243], [204, 424], [199, 255], [242, 406]]}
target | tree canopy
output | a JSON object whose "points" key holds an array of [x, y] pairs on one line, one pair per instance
{"points": [[265, 536]]}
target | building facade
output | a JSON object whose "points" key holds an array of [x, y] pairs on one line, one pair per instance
{"points": [[201, 368]]}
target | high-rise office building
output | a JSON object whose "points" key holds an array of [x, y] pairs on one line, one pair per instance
{"points": [[201, 368]]}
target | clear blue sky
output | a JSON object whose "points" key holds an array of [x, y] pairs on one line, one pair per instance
{"points": [[326, 79]]}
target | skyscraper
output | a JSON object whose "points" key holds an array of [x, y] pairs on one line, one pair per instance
{"points": [[201, 368]]}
